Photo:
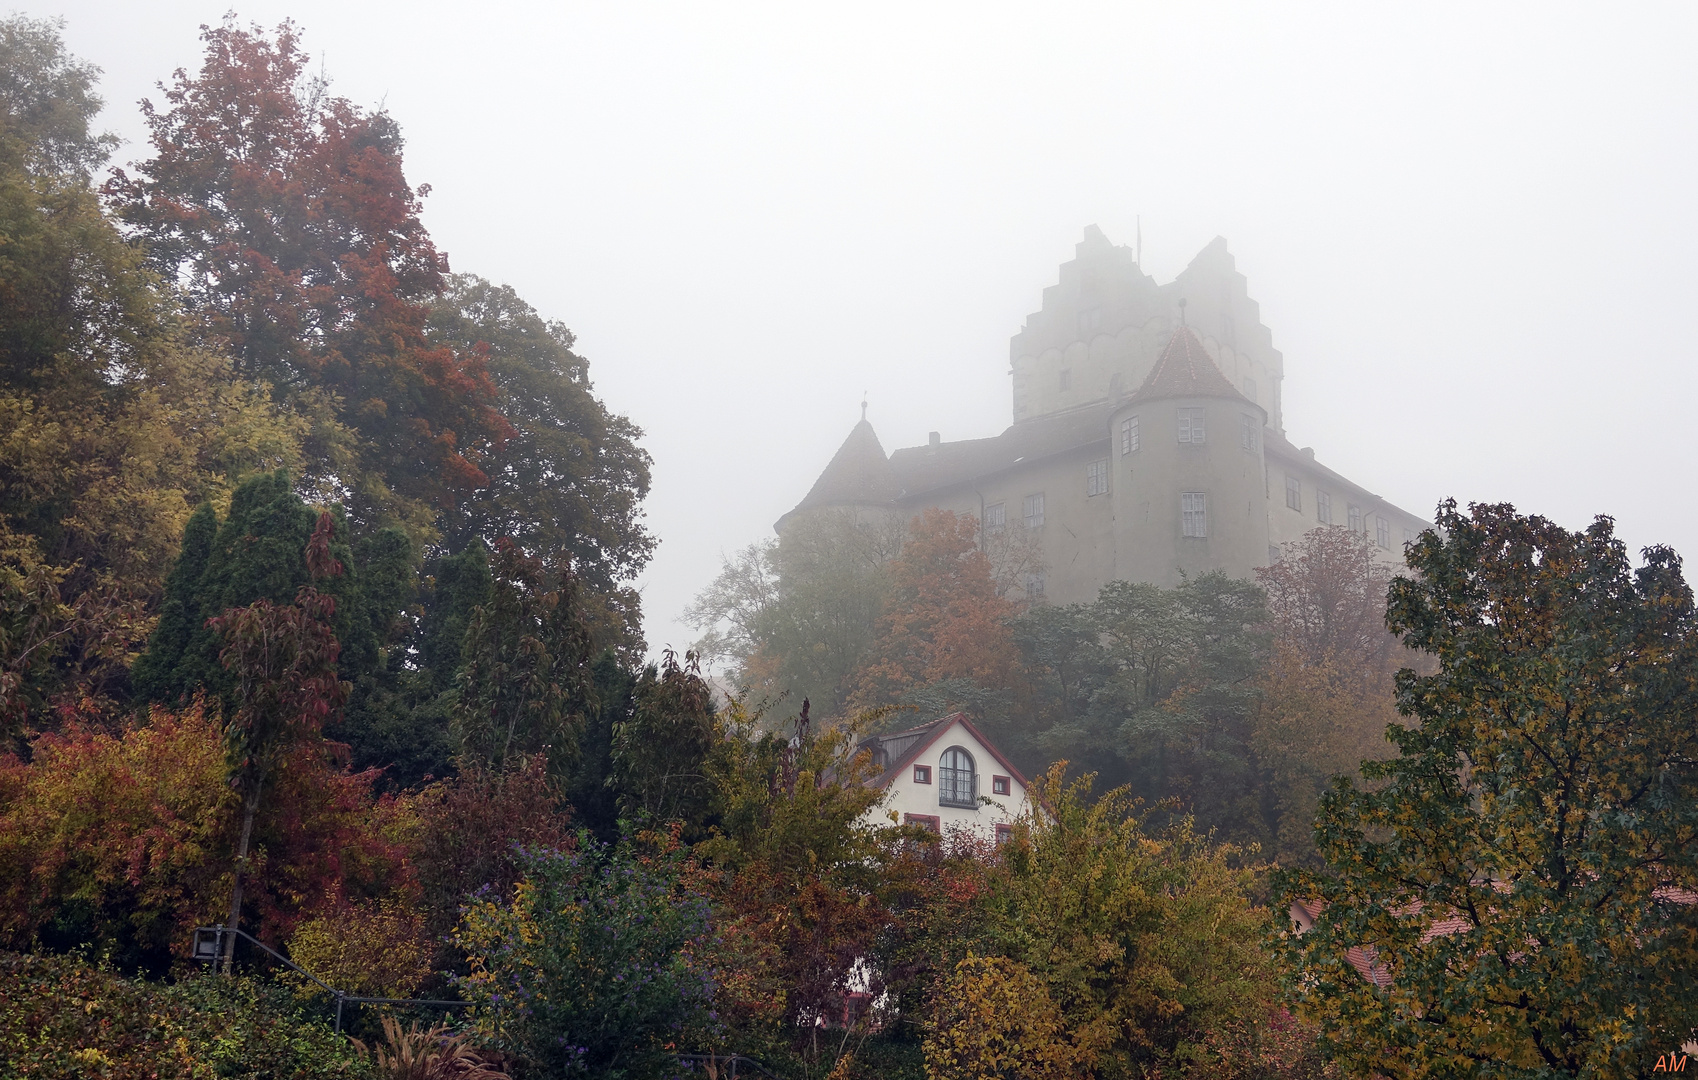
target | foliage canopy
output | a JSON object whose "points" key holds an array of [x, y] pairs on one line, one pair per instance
{"points": [[1523, 871]]}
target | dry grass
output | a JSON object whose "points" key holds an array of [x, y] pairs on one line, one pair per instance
{"points": [[434, 1054]]}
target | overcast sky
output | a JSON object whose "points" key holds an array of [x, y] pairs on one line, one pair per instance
{"points": [[1470, 227]]}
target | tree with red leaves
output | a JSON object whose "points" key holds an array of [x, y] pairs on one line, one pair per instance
{"points": [[942, 618], [285, 217], [283, 658], [111, 840]]}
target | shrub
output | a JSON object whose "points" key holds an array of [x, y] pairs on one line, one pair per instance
{"points": [[63, 1017], [996, 1020], [124, 842], [372, 949], [121, 841], [586, 971]]}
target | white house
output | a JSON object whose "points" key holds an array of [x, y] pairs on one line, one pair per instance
{"points": [[937, 774]]}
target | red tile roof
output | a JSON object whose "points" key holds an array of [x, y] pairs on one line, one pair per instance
{"points": [[1185, 369]]}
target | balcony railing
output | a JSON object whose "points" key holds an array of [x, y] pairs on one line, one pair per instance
{"points": [[958, 787]]}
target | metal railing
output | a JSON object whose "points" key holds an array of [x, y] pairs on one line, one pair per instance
{"points": [[209, 947], [723, 1066], [958, 787]]}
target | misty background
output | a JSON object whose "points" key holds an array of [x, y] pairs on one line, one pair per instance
{"points": [[1470, 228]]}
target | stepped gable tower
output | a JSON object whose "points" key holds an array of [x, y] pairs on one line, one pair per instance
{"points": [[1105, 322], [1190, 488]]}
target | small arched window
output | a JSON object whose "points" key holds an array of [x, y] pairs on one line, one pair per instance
{"points": [[957, 783]]}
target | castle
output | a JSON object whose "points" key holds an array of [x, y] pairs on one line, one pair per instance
{"points": [[1147, 444]]}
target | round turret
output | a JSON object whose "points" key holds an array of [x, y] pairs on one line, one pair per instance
{"points": [[1190, 490]]}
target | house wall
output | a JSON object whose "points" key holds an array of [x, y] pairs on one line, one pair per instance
{"points": [[906, 797]]}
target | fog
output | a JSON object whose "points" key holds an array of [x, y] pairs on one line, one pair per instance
{"points": [[1470, 228]]}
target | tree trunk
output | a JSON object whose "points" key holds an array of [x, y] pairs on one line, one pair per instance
{"points": [[249, 805]]}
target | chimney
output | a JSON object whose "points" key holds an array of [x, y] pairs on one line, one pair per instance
{"points": [[934, 439]]}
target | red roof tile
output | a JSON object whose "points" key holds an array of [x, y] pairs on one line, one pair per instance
{"points": [[1185, 369]]}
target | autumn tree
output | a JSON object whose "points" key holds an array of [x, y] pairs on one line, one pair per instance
{"points": [[568, 482], [470, 829], [106, 839], [995, 1020], [526, 682], [119, 842], [283, 659], [1327, 693], [284, 215], [1142, 935], [942, 617], [1522, 871], [794, 872], [112, 425]]}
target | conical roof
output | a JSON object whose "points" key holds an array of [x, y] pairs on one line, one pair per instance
{"points": [[1185, 370], [859, 474]]}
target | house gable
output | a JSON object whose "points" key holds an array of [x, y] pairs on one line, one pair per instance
{"points": [[910, 775]]}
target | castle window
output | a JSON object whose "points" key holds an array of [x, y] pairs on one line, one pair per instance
{"points": [[1128, 435], [996, 516], [1194, 513], [1034, 586], [1355, 519], [1090, 320], [1323, 508], [1096, 478], [922, 774], [1034, 510], [1066, 379], [1250, 390], [1000, 785], [1004, 833], [1191, 427], [1382, 532], [1294, 493], [1247, 433], [1409, 536]]}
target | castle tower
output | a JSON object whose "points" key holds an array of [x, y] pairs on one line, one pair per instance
{"points": [[1189, 490], [859, 479], [1105, 322]]}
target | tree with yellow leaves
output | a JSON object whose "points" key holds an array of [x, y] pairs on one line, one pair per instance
{"points": [[1326, 690], [112, 427], [1522, 875], [1144, 937], [995, 1020]]}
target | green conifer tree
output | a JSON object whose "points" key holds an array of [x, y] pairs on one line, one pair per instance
{"points": [[158, 674]]}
